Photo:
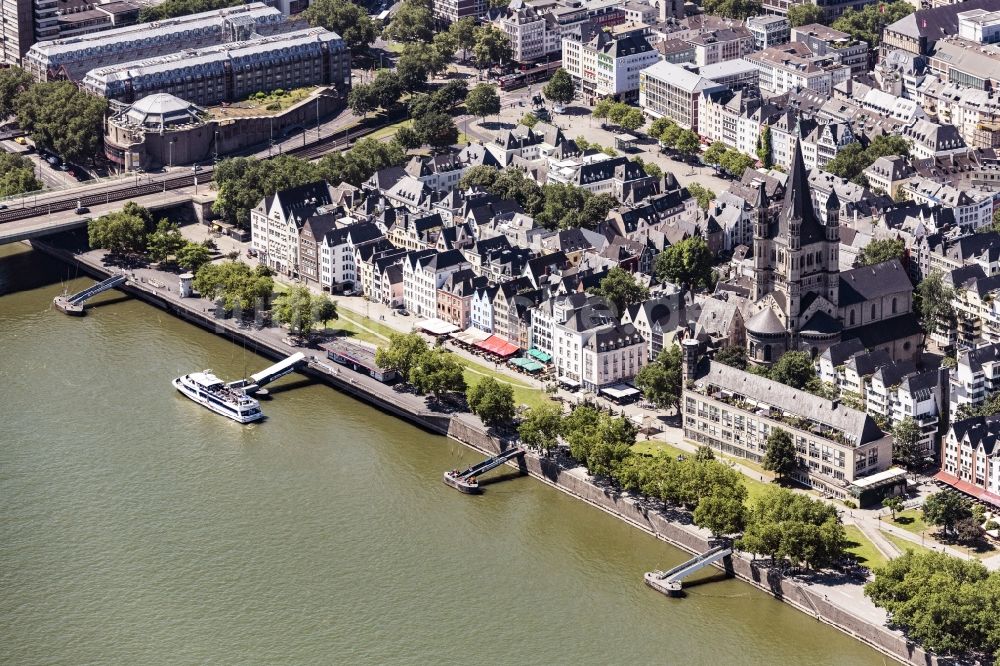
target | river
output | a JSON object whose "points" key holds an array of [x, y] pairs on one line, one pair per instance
{"points": [[138, 528]]}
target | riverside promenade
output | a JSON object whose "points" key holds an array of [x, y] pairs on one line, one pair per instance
{"points": [[831, 598]]}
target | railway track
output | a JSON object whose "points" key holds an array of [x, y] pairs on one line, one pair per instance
{"points": [[131, 191]]}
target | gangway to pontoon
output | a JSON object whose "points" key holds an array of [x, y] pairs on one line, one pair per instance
{"points": [[467, 481], [671, 581], [73, 305]]}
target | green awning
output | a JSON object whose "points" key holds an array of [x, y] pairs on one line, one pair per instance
{"points": [[527, 364], [540, 355]]}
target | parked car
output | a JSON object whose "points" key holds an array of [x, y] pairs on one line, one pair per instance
{"points": [[80, 210], [3, 206], [53, 160], [559, 108]]}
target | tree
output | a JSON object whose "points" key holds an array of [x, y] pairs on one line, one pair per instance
{"points": [[620, 289], [941, 602], [867, 24], [894, 504], [878, 251], [632, 120], [661, 381], [242, 183], [704, 195], [529, 120], [492, 47], [165, 241], [412, 68], [120, 233], [172, 8], [192, 256], [361, 100], [720, 515], [541, 425], [714, 152], [686, 262], [794, 369], [62, 117], [401, 353], [464, 32], [385, 89], [408, 138], [350, 21], [450, 94], [618, 111], [764, 144], [687, 143], [436, 371], [445, 44], [906, 446], [492, 401], [735, 163], [734, 9], [946, 508], [436, 129], [483, 100], [294, 308], [560, 88], [323, 309], [17, 173], [603, 107], [780, 454], [13, 82], [805, 14], [996, 219], [412, 22], [933, 298], [851, 160], [239, 286], [734, 356]]}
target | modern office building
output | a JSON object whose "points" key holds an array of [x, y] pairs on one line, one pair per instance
{"points": [[734, 412], [450, 11], [231, 72], [17, 30], [823, 40], [671, 91], [73, 58], [769, 30]]}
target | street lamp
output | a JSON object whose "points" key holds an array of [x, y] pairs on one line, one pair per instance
{"points": [[171, 160], [216, 147]]}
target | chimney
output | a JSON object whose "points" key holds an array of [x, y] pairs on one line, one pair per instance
{"points": [[689, 348]]}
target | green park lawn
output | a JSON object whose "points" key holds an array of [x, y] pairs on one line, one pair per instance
{"points": [[389, 130], [863, 549], [911, 520], [903, 544]]}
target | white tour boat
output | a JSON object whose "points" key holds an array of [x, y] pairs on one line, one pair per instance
{"points": [[210, 391]]}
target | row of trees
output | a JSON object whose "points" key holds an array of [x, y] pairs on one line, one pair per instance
{"points": [[881, 250], [786, 525], [554, 205], [949, 606], [728, 159], [428, 370], [868, 23], [242, 182], [241, 288], [130, 232], [619, 113], [674, 137], [172, 8], [56, 114]]}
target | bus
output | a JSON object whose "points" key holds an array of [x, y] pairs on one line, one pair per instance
{"points": [[528, 75]]}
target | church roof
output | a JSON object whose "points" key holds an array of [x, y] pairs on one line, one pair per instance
{"points": [[798, 204], [765, 322]]}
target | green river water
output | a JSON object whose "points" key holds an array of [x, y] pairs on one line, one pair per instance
{"points": [[139, 528]]}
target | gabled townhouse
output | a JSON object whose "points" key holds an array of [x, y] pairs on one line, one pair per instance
{"points": [[604, 65], [976, 305], [540, 269], [970, 458], [310, 238], [337, 257], [454, 297], [881, 387], [481, 308], [856, 372], [365, 256], [387, 286], [655, 317], [416, 231], [929, 139], [505, 324], [594, 350], [721, 322], [832, 362], [656, 213], [424, 272], [972, 209], [410, 193], [888, 174], [276, 220], [921, 397]]}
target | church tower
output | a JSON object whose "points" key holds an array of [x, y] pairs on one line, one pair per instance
{"points": [[833, 248]]}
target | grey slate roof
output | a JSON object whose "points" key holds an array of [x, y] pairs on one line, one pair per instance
{"points": [[868, 282], [856, 426]]}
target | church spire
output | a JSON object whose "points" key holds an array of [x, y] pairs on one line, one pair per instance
{"points": [[798, 204]]}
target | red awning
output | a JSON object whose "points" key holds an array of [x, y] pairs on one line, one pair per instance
{"points": [[968, 488], [498, 346]]}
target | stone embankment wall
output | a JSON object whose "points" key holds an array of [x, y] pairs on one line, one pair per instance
{"points": [[675, 529]]}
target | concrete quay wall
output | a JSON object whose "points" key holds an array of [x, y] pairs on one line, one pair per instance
{"points": [[674, 528]]}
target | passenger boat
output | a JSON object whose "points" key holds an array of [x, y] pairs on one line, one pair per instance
{"points": [[209, 391]]}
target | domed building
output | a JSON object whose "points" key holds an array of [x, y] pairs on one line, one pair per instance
{"points": [[157, 130]]}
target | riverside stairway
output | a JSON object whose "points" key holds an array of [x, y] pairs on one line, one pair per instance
{"points": [[670, 582], [467, 481], [73, 305]]}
